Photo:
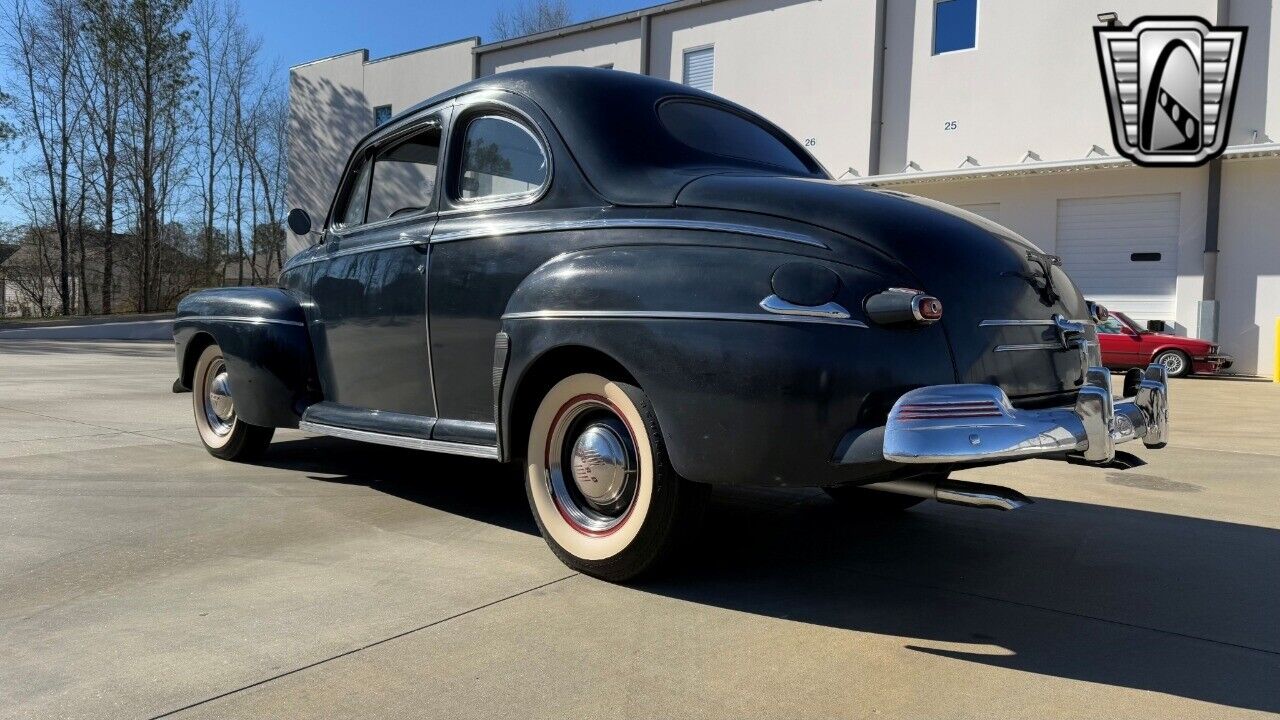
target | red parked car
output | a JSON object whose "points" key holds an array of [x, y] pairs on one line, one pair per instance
{"points": [[1125, 345]]}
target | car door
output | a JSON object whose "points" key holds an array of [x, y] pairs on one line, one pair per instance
{"points": [[370, 293], [498, 199], [1121, 346]]}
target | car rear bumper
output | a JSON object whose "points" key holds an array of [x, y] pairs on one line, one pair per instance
{"points": [[977, 424]]}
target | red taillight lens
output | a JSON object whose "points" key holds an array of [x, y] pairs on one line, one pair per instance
{"points": [[928, 308], [903, 306]]}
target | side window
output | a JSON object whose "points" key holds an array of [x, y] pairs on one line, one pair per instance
{"points": [[1111, 326], [404, 175], [356, 200], [500, 158]]}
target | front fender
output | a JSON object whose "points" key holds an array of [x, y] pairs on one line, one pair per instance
{"points": [[263, 336], [741, 396]]}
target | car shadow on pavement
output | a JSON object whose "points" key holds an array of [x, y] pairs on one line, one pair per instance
{"points": [[475, 489], [1134, 599], [1143, 600]]}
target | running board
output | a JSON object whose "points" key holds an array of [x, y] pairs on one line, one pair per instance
{"points": [[487, 452]]}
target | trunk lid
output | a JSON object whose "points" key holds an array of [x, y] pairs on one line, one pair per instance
{"points": [[994, 284]]}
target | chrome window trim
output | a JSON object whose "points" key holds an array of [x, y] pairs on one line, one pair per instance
{"points": [[677, 315], [256, 320], [487, 452], [490, 202], [393, 129]]}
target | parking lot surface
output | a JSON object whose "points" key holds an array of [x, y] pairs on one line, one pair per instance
{"points": [[140, 577]]}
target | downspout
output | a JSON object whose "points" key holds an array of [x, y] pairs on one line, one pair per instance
{"points": [[877, 90], [1207, 320], [644, 44]]}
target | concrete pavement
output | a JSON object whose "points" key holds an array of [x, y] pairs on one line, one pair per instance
{"points": [[141, 577]]}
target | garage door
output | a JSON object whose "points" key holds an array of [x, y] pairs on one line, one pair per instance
{"points": [[1123, 251], [990, 211]]}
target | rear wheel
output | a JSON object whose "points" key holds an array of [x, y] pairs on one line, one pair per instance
{"points": [[602, 489], [222, 431], [1175, 362]]}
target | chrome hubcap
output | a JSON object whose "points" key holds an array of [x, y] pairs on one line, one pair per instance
{"points": [[600, 465], [592, 466], [219, 410]]}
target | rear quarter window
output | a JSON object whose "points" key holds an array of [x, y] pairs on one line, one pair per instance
{"points": [[722, 132]]}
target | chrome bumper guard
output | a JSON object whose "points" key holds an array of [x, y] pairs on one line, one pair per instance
{"points": [[978, 424]]}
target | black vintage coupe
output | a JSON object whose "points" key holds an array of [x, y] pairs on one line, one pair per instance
{"points": [[638, 290]]}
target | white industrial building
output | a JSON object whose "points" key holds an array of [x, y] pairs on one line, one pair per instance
{"points": [[993, 105]]}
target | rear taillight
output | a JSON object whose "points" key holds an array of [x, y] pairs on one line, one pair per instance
{"points": [[903, 306]]}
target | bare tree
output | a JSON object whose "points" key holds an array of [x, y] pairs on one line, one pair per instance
{"points": [[527, 17], [245, 94], [42, 45], [101, 76], [211, 24], [156, 80], [269, 158], [7, 131]]}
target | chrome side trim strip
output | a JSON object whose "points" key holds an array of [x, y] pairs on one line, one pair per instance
{"points": [[675, 315], [500, 229], [402, 241], [477, 451], [637, 223], [237, 318], [1023, 323], [1030, 346], [778, 306]]}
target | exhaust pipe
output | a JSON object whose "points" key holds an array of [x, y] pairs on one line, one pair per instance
{"points": [[956, 492]]}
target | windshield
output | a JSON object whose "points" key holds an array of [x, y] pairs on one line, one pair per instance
{"points": [[1128, 321]]}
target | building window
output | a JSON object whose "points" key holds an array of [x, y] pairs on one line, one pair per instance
{"points": [[381, 115], [955, 25], [699, 67]]}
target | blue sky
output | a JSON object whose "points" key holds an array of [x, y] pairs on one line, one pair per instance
{"points": [[296, 31]]}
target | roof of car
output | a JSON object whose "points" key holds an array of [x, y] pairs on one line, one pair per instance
{"points": [[608, 119]]}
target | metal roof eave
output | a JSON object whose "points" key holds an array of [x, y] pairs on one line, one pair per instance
{"points": [[1237, 152]]}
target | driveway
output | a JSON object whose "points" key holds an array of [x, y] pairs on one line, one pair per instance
{"points": [[141, 578]]}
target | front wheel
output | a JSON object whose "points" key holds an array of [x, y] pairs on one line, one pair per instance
{"points": [[1175, 362], [602, 489], [223, 433]]}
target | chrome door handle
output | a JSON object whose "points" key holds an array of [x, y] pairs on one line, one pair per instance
{"points": [[778, 306]]}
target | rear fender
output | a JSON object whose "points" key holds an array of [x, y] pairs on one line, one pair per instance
{"points": [[740, 398]]}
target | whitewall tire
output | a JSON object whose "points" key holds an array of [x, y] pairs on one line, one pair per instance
{"points": [[221, 430], [599, 482]]}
